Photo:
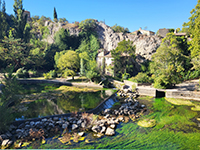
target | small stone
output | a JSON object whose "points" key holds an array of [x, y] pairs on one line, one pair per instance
{"points": [[142, 106], [55, 118], [107, 116], [74, 126], [32, 123], [65, 125], [110, 131], [83, 124], [112, 126], [79, 121], [27, 126], [106, 111], [5, 142], [81, 134], [103, 130], [21, 126], [44, 120]]}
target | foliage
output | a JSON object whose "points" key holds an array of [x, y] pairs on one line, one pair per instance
{"points": [[14, 51], [191, 74], [50, 75], [3, 20], [169, 61], [84, 58], [20, 21], [193, 29], [89, 45], [8, 98], [22, 73], [68, 63], [166, 66], [141, 78], [55, 14], [124, 57], [119, 29], [87, 25], [92, 72], [61, 39], [66, 41]]}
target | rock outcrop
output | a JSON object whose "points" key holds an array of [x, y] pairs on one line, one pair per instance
{"points": [[145, 45], [55, 27]]}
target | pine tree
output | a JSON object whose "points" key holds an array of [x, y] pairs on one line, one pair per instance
{"points": [[55, 14], [4, 22], [20, 19]]}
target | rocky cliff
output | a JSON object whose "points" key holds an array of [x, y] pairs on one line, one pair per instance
{"points": [[145, 45]]}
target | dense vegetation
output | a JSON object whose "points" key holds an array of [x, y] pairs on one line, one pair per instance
{"points": [[177, 59], [23, 45]]}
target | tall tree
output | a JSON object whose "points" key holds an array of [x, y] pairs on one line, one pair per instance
{"points": [[55, 14], [169, 61], [20, 20], [124, 56], [193, 27], [3, 22], [14, 51], [68, 63]]}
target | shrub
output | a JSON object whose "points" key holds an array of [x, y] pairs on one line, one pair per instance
{"points": [[50, 75], [33, 73], [22, 73], [142, 78], [9, 99]]}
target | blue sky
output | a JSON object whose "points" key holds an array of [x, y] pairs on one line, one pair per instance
{"points": [[133, 14]]}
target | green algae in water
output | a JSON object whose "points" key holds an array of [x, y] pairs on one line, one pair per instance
{"points": [[174, 130]]}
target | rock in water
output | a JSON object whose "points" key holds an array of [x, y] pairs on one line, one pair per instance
{"points": [[110, 131], [74, 126]]}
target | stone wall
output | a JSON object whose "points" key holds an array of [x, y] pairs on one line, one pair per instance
{"points": [[183, 94]]}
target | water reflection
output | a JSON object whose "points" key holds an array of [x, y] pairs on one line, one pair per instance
{"points": [[64, 103]]}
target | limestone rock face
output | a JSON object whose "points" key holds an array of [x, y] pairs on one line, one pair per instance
{"points": [[145, 45], [55, 27]]}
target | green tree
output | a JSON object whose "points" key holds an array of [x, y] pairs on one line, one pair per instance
{"points": [[61, 39], [8, 98], [92, 71], [3, 24], [14, 51], [84, 58], [119, 29], [166, 66], [55, 14], [68, 63], [124, 58], [90, 45], [193, 29], [87, 25], [20, 20]]}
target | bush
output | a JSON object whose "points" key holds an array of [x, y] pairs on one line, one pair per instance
{"points": [[50, 75], [9, 99], [141, 78], [33, 73], [22, 73]]}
